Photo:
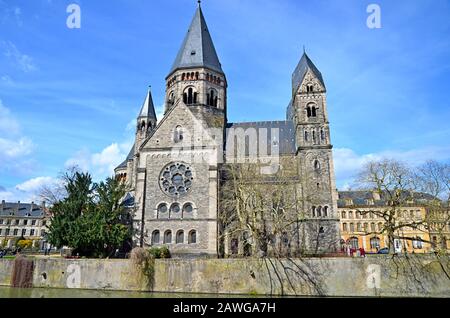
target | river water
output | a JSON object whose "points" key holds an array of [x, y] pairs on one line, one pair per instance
{"points": [[6, 292]]}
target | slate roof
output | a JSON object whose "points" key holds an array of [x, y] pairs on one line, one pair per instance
{"points": [[198, 48], [148, 109], [21, 210], [286, 130], [129, 157], [302, 68], [359, 198]]}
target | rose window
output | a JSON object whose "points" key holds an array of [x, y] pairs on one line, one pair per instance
{"points": [[176, 179]]}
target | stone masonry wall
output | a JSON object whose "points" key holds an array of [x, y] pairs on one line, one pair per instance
{"points": [[412, 276]]}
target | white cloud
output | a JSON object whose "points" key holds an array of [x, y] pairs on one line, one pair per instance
{"points": [[14, 148], [36, 184], [23, 61], [102, 164], [348, 163], [27, 191], [6, 80], [8, 124]]}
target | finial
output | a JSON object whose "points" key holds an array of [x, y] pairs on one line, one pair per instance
{"points": [[304, 49], [199, 2]]}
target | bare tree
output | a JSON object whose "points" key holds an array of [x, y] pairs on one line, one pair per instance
{"points": [[55, 192], [265, 213], [396, 185], [434, 178]]}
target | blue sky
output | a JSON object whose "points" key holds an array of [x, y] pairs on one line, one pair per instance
{"points": [[70, 96]]}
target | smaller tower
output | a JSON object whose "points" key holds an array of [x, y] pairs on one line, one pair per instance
{"points": [[146, 121]]}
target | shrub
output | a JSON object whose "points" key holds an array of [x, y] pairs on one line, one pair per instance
{"points": [[160, 252], [24, 244]]}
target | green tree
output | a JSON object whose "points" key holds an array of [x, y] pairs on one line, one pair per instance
{"points": [[91, 219]]}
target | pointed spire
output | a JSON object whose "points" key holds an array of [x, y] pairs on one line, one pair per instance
{"points": [[198, 48], [302, 68], [148, 109]]}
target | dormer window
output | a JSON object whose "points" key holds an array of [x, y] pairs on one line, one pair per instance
{"points": [[193, 52]]}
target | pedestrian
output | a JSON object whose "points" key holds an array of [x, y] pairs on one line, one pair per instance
{"points": [[362, 252]]}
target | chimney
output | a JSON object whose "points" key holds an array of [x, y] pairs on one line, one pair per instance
{"points": [[32, 207]]}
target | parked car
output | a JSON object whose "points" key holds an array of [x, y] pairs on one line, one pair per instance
{"points": [[384, 251]]}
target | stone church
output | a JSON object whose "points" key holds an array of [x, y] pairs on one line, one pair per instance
{"points": [[173, 169]]}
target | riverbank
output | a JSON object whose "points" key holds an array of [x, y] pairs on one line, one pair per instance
{"points": [[377, 276]]}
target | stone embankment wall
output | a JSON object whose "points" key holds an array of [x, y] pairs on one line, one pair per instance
{"points": [[422, 276]]}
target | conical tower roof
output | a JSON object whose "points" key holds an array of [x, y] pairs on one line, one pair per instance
{"points": [[198, 48], [148, 109], [302, 68]]}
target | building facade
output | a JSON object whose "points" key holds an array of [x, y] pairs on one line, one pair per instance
{"points": [[173, 169], [22, 220], [361, 214]]}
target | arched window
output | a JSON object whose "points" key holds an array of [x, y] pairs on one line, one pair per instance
{"points": [[211, 98], [344, 227], [322, 135], [234, 246], [285, 239], [353, 242], [180, 237], [344, 214], [313, 209], [190, 96], [197, 75], [192, 237], [372, 227], [319, 211], [313, 111], [316, 165], [325, 211], [188, 208], [375, 243], [155, 237], [352, 227], [143, 126], [183, 76], [308, 111], [178, 135], [314, 136], [306, 136], [162, 209], [309, 88], [168, 237], [175, 209]]}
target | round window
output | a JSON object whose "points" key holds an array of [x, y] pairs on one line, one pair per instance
{"points": [[176, 179], [188, 208]]}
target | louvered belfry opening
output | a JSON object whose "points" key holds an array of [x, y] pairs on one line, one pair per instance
{"points": [[22, 274]]}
